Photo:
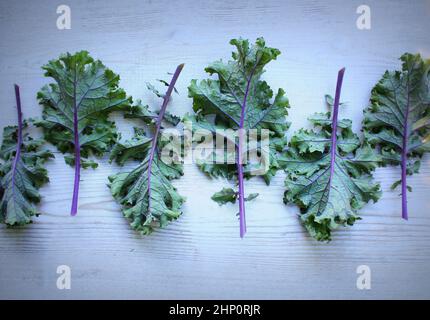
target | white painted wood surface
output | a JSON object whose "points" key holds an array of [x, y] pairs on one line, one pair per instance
{"points": [[201, 255]]}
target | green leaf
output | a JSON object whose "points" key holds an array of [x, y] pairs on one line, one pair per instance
{"points": [[87, 84], [252, 196], [146, 194], [76, 109], [330, 101], [142, 112], [229, 195], [329, 192], [130, 190], [240, 100], [19, 186], [218, 105], [397, 183], [397, 119], [224, 196]]}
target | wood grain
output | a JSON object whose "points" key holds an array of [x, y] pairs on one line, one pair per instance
{"points": [[201, 254]]}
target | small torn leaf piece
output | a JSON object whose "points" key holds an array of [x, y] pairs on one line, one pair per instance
{"points": [[155, 91], [224, 196], [329, 173], [398, 118], [239, 99], [252, 196], [397, 183], [76, 109], [21, 172], [142, 112], [146, 194], [229, 195]]}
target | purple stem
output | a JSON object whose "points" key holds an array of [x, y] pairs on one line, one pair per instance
{"points": [[334, 125], [404, 161], [19, 143], [74, 209], [404, 187], [242, 219], [158, 126]]}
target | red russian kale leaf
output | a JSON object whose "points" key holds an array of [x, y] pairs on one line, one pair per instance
{"points": [[76, 109], [398, 118], [238, 99]]}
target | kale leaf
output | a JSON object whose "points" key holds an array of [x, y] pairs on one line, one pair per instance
{"points": [[329, 172], [146, 194], [76, 110], [239, 100], [21, 172], [398, 118]]}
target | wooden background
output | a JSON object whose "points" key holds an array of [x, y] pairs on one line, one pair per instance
{"points": [[201, 255]]}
